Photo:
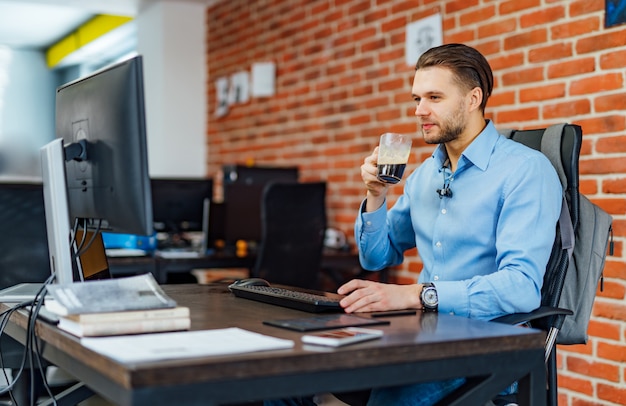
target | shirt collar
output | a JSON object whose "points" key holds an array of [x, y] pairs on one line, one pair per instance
{"points": [[478, 152]]}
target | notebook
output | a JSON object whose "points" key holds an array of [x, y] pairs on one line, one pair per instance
{"points": [[20, 293]]}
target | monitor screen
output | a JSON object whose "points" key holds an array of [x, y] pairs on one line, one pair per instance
{"points": [[96, 172], [178, 204], [111, 183]]}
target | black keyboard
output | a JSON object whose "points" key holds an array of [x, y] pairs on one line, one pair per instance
{"points": [[295, 298]]}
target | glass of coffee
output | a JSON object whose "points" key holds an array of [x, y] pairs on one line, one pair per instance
{"points": [[393, 154]]}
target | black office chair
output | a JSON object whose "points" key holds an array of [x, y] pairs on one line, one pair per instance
{"points": [[23, 258], [549, 317], [293, 221]]}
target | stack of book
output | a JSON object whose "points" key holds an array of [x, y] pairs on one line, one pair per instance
{"points": [[132, 305]]}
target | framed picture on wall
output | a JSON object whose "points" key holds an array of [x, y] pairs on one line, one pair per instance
{"points": [[614, 12]]}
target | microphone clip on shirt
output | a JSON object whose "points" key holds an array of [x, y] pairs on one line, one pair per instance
{"points": [[445, 190]]}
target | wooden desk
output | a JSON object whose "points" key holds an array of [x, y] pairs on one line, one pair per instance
{"points": [[413, 349]]}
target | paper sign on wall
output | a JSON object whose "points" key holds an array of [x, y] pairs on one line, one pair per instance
{"points": [[263, 79], [421, 36], [221, 90]]}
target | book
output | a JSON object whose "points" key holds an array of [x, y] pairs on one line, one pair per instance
{"points": [[130, 315], [111, 295], [340, 337], [123, 327]]}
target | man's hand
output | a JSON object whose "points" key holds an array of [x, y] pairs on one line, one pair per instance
{"points": [[376, 190], [368, 296]]}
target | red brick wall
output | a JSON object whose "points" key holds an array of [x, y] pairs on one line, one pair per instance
{"points": [[342, 80]]}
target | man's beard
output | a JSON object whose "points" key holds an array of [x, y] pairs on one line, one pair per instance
{"points": [[450, 128]]}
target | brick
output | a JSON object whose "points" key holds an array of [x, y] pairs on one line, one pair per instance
{"points": [[517, 115], [615, 185], [475, 16], [604, 329], [551, 52], [512, 6], [610, 102], [571, 68], [598, 83], [498, 27], [545, 92], [612, 393], [575, 28], [613, 60], [581, 7], [546, 15], [578, 385], [523, 76], [526, 39], [507, 61], [602, 124], [609, 310], [604, 371], [566, 109], [612, 39]]}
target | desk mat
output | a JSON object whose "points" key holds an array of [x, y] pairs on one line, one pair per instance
{"points": [[324, 322]]}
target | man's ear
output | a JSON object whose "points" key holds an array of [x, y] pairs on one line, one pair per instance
{"points": [[475, 98]]}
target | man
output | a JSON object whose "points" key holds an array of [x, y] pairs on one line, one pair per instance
{"points": [[482, 212]]}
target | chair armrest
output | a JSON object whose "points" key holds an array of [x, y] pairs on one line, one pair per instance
{"points": [[539, 313]]}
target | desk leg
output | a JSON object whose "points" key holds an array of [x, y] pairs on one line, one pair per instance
{"points": [[532, 389]]}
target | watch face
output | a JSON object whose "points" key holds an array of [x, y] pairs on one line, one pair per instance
{"points": [[430, 297]]}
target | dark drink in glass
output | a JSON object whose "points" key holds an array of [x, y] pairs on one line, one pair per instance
{"points": [[393, 154], [391, 173]]}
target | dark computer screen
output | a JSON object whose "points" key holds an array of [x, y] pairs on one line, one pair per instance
{"points": [[178, 204], [96, 171], [243, 188], [111, 183]]}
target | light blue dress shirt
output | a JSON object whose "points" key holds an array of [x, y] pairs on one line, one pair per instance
{"points": [[485, 247]]}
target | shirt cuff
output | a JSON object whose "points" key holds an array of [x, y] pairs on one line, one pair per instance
{"points": [[373, 220], [453, 297]]}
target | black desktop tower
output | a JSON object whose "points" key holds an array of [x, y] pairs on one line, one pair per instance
{"points": [[243, 189]]}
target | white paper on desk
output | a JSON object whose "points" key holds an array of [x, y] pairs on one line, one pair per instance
{"points": [[184, 344]]}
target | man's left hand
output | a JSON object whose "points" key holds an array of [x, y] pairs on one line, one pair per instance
{"points": [[369, 296]]}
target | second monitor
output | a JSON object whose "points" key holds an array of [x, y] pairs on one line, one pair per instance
{"points": [[177, 204]]}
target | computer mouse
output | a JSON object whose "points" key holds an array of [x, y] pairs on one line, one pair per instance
{"points": [[251, 282]]}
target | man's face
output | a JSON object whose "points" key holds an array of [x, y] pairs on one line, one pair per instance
{"points": [[441, 105]]}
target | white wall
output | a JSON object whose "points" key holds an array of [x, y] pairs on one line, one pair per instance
{"points": [[171, 38], [27, 92]]}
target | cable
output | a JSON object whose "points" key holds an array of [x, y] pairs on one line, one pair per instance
{"points": [[91, 240], [31, 343]]}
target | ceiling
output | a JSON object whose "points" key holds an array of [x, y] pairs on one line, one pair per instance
{"points": [[39, 23]]}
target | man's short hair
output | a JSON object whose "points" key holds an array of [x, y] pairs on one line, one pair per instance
{"points": [[469, 67]]}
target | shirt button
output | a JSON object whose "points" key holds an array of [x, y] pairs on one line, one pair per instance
{"points": [[444, 211], [436, 278], [438, 243], [369, 223]]}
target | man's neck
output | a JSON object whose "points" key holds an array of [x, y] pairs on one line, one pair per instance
{"points": [[455, 148]]}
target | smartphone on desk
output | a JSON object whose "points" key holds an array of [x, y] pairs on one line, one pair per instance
{"points": [[340, 337]]}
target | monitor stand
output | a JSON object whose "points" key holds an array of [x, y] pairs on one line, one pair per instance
{"points": [[57, 211]]}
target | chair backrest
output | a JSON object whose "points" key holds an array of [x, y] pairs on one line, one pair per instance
{"points": [[293, 222], [571, 142], [23, 240]]}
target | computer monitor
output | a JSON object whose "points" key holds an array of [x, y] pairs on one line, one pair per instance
{"points": [[243, 189], [178, 204], [95, 173]]}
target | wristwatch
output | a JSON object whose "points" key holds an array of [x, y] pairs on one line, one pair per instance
{"points": [[429, 298]]}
